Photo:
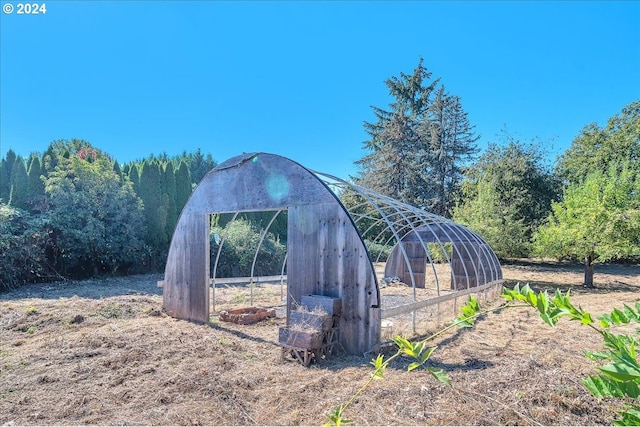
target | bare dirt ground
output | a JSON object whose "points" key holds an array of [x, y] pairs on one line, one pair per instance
{"points": [[103, 352]]}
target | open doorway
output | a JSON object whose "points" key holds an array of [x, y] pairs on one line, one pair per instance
{"points": [[248, 257]]}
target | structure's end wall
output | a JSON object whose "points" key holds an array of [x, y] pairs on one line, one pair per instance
{"points": [[186, 281]]}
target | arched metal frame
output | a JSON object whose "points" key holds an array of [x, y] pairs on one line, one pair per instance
{"points": [[402, 221], [374, 218]]}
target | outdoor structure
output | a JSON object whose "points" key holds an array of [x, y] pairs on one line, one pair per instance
{"points": [[326, 251]]}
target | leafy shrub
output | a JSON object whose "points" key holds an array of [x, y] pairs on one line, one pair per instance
{"points": [[240, 240], [378, 252], [96, 218], [23, 239], [437, 252]]}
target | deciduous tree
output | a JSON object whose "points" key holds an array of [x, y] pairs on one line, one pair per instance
{"points": [[598, 148], [506, 195], [597, 220]]}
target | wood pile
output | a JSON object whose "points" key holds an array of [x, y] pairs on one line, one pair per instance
{"points": [[312, 329]]}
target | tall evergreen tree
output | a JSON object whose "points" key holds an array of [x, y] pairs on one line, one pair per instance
{"points": [[3, 179], [183, 186], [35, 186], [418, 146], [5, 176], [134, 176], [116, 168], [397, 151], [19, 184], [452, 145], [199, 165], [155, 213], [169, 197]]}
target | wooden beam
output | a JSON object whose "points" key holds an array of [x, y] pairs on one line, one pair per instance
{"points": [[246, 280], [408, 308]]}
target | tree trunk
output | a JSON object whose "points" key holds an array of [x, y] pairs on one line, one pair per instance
{"points": [[588, 271]]}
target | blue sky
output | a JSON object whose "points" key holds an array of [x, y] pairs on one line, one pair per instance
{"points": [[298, 78]]}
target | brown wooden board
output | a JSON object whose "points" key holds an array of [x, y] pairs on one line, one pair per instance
{"points": [[329, 305], [186, 287], [307, 320], [303, 339]]}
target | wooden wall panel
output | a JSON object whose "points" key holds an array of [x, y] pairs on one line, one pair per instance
{"points": [[327, 257], [186, 288]]}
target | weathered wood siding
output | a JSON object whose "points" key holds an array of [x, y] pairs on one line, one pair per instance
{"points": [[257, 182], [327, 257], [186, 276]]}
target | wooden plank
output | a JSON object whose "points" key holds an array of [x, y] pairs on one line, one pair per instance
{"points": [[329, 305], [417, 264], [395, 311], [302, 254], [185, 292], [246, 280], [300, 338], [308, 320]]}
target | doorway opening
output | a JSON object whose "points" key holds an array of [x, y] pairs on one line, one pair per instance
{"points": [[248, 259]]}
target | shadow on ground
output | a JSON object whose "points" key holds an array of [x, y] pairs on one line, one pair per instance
{"points": [[145, 284]]}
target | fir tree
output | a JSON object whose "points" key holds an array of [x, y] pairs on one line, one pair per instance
{"points": [[451, 145], [116, 169], [183, 186], [35, 186], [416, 149], [19, 183], [155, 213], [169, 195], [5, 176], [134, 176]]}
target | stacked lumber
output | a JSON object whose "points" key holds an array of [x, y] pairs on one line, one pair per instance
{"points": [[312, 329]]}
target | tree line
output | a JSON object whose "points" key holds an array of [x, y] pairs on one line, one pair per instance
{"points": [[75, 212], [422, 150]]}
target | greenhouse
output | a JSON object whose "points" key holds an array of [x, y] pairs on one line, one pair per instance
{"points": [[392, 265]]}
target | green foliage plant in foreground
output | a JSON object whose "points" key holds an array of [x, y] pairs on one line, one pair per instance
{"points": [[619, 370]]}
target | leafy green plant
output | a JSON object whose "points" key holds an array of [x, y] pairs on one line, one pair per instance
{"points": [[619, 372], [418, 351]]}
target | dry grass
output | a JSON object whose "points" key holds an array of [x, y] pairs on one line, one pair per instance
{"points": [[103, 352]]}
